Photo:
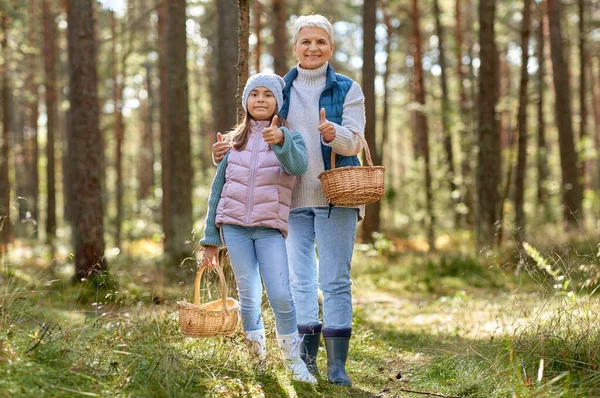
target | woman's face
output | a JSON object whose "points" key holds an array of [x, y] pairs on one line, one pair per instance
{"points": [[313, 48], [261, 103]]}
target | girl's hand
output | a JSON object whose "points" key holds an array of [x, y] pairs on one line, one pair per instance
{"points": [[210, 259], [273, 134], [326, 128], [220, 148]]}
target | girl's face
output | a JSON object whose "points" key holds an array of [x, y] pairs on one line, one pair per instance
{"points": [[261, 103], [313, 48]]}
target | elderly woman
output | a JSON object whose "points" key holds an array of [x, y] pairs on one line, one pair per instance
{"points": [[327, 109]]}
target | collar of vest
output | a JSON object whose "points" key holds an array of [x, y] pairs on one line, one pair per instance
{"points": [[330, 82], [289, 78]]}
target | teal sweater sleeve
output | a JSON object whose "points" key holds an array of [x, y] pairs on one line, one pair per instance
{"points": [[292, 154], [212, 237]]}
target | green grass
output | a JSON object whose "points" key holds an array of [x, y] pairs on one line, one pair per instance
{"points": [[449, 323]]}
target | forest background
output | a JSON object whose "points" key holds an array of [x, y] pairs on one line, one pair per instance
{"points": [[482, 258]]}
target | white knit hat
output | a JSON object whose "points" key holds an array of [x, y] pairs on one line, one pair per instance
{"points": [[268, 80]]}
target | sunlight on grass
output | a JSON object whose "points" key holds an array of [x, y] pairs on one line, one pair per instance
{"points": [[448, 323]]}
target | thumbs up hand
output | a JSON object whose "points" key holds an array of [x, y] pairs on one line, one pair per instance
{"points": [[220, 148], [325, 127], [273, 134]]}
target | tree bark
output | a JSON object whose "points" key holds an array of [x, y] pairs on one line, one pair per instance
{"points": [[227, 54], [522, 125], [467, 139], [51, 111], [181, 175], [542, 150], [371, 222], [421, 119], [386, 77], [146, 160], [88, 229], [19, 159], [119, 129], [165, 145], [5, 223], [595, 83], [280, 37], [243, 55], [572, 195], [489, 142], [508, 142], [257, 31], [31, 130], [505, 128], [447, 134], [583, 133]]}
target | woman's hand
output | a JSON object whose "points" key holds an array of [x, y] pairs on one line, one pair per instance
{"points": [[220, 148], [273, 134], [326, 128], [210, 259]]}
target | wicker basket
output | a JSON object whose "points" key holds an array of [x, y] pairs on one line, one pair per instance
{"points": [[215, 318], [353, 185]]}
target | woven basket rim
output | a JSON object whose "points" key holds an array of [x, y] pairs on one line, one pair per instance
{"points": [[231, 304], [351, 168]]}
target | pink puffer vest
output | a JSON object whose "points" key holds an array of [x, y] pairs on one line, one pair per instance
{"points": [[257, 192]]}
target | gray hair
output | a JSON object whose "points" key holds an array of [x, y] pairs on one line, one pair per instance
{"points": [[313, 20]]}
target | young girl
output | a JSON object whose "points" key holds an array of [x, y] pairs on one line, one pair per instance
{"points": [[248, 209]]}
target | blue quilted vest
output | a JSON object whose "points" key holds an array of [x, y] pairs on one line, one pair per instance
{"points": [[332, 99]]}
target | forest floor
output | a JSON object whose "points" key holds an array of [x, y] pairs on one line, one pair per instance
{"points": [[448, 324]]}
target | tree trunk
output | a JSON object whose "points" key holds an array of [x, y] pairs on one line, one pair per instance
{"points": [[522, 125], [467, 140], [181, 168], [88, 230], [508, 141], [257, 31], [227, 54], [421, 119], [19, 158], [542, 150], [572, 195], [371, 222], [595, 83], [386, 77], [5, 223], [489, 142], [31, 129], [68, 170], [280, 38], [146, 156], [451, 174], [51, 111], [583, 134], [165, 146], [391, 159], [118, 82], [505, 129], [243, 55]]}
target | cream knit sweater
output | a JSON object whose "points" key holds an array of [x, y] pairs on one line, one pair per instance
{"points": [[303, 117]]}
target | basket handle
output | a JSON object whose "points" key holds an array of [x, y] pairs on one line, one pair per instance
{"points": [[219, 271], [365, 147]]}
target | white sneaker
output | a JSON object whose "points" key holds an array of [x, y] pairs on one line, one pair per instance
{"points": [[290, 349], [257, 344]]}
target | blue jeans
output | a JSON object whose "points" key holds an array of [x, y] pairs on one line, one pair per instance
{"points": [[334, 237], [256, 251]]}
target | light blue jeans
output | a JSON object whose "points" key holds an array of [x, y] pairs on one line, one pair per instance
{"points": [[334, 237], [256, 251]]}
